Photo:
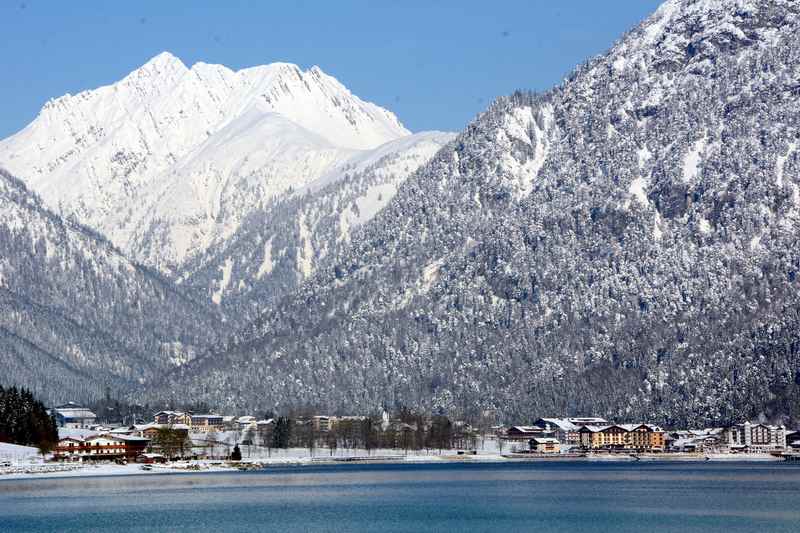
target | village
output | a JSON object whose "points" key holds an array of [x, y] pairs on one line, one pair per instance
{"points": [[178, 440], [172, 435]]}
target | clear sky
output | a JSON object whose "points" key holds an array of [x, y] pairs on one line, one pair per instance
{"points": [[435, 63]]}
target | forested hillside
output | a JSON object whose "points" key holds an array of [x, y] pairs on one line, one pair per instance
{"points": [[78, 315], [282, 244], [624, 245]]}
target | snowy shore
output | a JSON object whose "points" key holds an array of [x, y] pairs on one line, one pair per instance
{"points": [[33, 469]]}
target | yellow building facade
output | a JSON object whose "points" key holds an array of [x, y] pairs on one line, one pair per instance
{"points": [[633, 437]]}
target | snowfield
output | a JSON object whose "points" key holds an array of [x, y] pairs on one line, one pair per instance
{"points": [[171, 159]]}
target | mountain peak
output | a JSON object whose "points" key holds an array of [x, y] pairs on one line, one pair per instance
{"points": [[164, 60], [190, 146]]}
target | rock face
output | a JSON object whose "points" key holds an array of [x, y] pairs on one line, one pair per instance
{"points": [[625, 244], [171, 160], [76, 314]]}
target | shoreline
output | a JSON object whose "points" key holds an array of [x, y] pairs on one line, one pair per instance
{"points": [[67, 470]]}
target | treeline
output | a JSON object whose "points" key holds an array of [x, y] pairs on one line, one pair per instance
{"points": [[411, 432], [171, 442], [24, 420]]}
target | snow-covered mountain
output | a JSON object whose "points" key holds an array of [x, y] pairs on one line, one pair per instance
{"points": [[171, 160], [76, 314], [280, 245], [626, 244]]}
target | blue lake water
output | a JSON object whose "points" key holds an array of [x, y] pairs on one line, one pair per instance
{"points": [[574, 496]]}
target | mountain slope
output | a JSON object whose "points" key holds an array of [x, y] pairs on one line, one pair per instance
{"points": [[170, 160], [278, 247], [75, 314], [626, 244]]}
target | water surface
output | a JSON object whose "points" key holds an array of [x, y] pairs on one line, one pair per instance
{"points": [[564, 496]]}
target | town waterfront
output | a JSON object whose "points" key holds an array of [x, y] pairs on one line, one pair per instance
{"points": [[558, 496]]}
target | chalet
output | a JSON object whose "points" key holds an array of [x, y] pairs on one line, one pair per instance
{"points": [[566, 429], [545, 445], [72, 415], [246, 422], [563, 430], [100, 447], [151, 458], [526, 433], [694, 440], [68, 448]]}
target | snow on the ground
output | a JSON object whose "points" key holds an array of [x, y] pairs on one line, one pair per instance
{"points": [[259, 457], [691, 163], [637, 191], [16, 453], [267, 264], [226, 269], [781, 165], [30, 467], [60, 470]]}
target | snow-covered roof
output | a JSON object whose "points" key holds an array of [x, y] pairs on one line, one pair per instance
{"points": [[527, 429], [595, 420], [164, 426], [545, 440], [131, 438], [69, 405], [595, 429], [76, 439], [561, 423], [626, 427], [78, 433], [692, 441], [81, 412]]}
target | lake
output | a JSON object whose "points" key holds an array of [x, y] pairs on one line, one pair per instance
{"points": [[545, 496]]}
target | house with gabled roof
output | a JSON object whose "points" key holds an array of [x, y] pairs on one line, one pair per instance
{"points": [[100, 447]]}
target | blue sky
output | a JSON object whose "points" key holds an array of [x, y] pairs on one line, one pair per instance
{"points": [[435, 63]]}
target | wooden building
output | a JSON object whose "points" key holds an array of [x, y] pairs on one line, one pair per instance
{"points": [[545, 445], [100, 447]]}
